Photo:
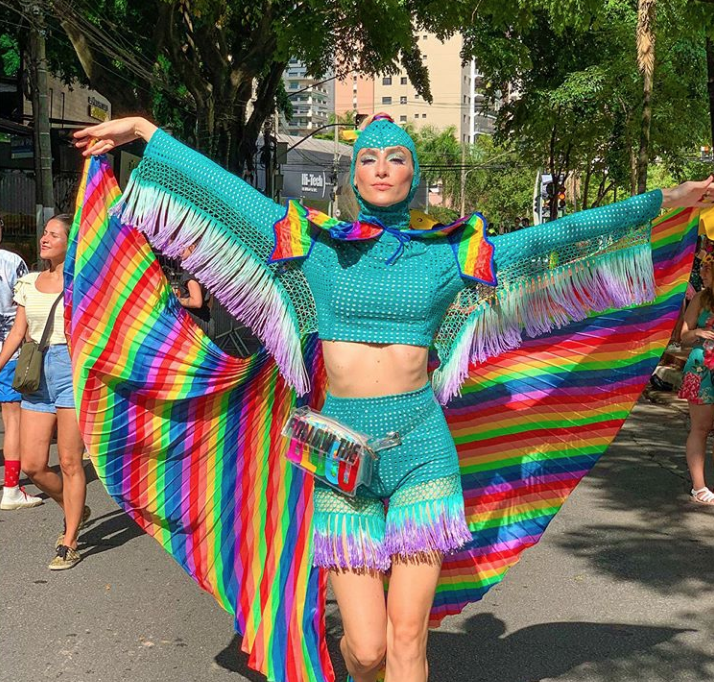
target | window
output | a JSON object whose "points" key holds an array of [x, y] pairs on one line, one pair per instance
{"points": [[402, 119], [403, 80], [403, 99], [416, 115], [424, 37], [386, 100], [387, 80], [423, 115]]}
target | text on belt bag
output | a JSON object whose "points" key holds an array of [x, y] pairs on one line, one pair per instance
{"points": [[29, 364]]}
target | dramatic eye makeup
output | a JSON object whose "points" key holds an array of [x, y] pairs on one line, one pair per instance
{"points": [[367, 158], [397, 157]]}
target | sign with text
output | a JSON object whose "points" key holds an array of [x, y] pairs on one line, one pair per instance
{"points": [[97, 109]]}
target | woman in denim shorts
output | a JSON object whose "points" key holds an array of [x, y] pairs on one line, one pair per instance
{"points": [[53, 403]]}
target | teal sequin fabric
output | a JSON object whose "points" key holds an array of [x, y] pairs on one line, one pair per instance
{"points": [[389, 290], [419, 479], [359, 297]]}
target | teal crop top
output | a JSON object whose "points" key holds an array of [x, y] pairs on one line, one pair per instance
{"points": [[359, 297]]}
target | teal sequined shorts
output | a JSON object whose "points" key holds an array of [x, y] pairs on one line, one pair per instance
{"points": [[414, 503]]}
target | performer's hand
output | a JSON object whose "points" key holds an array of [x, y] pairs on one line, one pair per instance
{"points": [[104, 137], [704, 334], [690, 195]]}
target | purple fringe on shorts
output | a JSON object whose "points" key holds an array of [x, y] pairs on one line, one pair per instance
{"points": [[349, 541], [427, 526], [360, 541]]}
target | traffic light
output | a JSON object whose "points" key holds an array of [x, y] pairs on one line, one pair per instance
{"points": [[550, 189]]}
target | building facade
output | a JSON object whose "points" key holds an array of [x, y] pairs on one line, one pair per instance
{"points": [[312, 99], [456, 89]]}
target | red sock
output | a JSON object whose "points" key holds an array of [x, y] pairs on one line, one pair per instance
{"points": [[12, 473]]}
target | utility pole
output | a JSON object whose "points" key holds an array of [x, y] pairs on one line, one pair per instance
{"points": [[463, 179], [44, 190], [710, 83], [335, 173], [268, 158]]}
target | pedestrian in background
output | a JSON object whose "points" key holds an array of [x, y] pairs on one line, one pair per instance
{"points": [[53, 403], [12, 267], [193, 296], [697, 387]]}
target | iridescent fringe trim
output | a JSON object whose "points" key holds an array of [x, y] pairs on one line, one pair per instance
{"points": [[535, 306], [427, 526], [360, 541], [241, 282], [349, 541]]}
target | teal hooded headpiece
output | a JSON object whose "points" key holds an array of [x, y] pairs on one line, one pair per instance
{"points": [[381, 133]]}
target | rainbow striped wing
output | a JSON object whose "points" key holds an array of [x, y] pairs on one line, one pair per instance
{"points": [[187, 440], [532, 422]]}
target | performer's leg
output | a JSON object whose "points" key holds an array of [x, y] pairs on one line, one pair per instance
{"points": [[70, 448], [36, 429], [360, 597], [702, 418], [411, 592]]}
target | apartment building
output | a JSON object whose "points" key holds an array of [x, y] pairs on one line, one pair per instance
{"points": [[313, 100], [456, 91]]}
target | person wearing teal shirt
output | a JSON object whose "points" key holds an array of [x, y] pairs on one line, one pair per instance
{"points": [[379, 292]]}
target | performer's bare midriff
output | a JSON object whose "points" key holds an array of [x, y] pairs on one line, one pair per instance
{"points": [[361, 370]]}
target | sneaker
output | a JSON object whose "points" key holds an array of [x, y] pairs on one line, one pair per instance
{"points": [[85, 518], [17, 498], [66, 558]]}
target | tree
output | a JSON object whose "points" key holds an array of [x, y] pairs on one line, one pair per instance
{"points": [[579, 103], [497, 183], [439, 153], [646, 12], [218, 50]]}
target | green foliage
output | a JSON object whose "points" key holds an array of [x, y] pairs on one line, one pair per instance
{"points": [[579, 93], [443, 215], [439, 152], [502, 189], [9, 56], [218, 49], [497, 183]]}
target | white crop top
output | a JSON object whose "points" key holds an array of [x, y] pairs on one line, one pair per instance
{"points": [[37, 307]]}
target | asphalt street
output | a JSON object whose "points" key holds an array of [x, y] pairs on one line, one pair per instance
{"points": [[620, 589]]}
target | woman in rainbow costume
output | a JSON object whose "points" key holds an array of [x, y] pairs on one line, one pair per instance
{"points": [[188, 440]]}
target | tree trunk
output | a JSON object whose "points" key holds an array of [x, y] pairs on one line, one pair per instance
{"points": [[586, 186], [646, 63], [44, 190], [125, 101], [710, 79]]}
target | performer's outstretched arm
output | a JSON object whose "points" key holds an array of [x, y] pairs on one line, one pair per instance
{"points": [[165, 158], [182, 200], [602, 222], [556, 273]]}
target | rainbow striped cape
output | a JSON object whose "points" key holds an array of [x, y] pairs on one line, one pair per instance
{"points": [[186, 439]]}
